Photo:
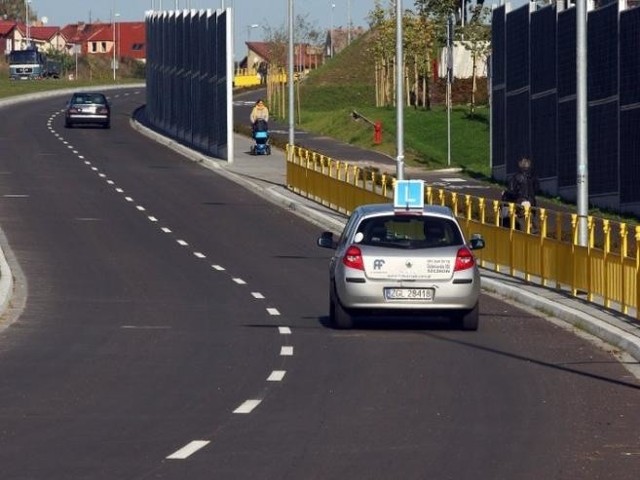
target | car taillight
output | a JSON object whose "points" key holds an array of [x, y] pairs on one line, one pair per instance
{"points": [[464, 259], [353, 258], [103, 110]]}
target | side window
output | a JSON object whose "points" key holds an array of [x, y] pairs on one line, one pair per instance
{"points": [[349, 229]]}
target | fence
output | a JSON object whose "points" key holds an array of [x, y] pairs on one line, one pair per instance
{"points": [[189, 78], [604, 271], [533, 99]]}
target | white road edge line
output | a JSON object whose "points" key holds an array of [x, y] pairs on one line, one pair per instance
{"points": [[188, 450]]}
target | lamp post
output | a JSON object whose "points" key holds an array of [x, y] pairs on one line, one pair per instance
{"points": [[115, 15], [26, 21], [333, 5], [249, 28], [399, 93]]}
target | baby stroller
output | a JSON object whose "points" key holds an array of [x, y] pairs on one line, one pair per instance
{"points": [[261, 137]]}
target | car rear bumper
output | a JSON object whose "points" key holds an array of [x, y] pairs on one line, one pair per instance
{"points": [[88, 119], [370, 296]]}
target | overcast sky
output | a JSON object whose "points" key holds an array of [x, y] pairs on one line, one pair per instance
{"points": [[270, 13]]}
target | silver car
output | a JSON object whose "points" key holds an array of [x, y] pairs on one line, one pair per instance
{"points": [[86, 108], [394, 262]]}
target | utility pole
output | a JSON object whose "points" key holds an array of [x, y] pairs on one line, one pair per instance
{"points": [[582, 162], [399, 94], [290, 80]]}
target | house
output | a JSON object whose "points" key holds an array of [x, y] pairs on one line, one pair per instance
{"points": [[127, 38], [261, 54], [7, 36], [45, 39]]}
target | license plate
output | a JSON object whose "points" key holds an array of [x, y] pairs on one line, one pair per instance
{"points": [[408, 293]]}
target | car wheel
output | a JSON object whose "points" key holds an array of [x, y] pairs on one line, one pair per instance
{"points": [[338, 316], [107, 125], [469, 319]]}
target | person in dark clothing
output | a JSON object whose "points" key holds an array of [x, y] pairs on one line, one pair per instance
{"points": [[522, 189], [523, 185]]}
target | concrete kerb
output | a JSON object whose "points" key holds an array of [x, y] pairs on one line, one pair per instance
{"points": [[557, 306]]}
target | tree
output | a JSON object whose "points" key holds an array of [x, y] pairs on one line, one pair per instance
{"points": [[15, 10], [477, 40]]}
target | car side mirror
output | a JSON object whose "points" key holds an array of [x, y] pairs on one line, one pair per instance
{"points": [[326, 240], [477, 242]]}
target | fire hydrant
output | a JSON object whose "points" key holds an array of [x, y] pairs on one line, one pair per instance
{"points": [[377, 133]]}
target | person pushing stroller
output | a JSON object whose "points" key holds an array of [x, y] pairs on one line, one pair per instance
{"points": [[260, 126]]}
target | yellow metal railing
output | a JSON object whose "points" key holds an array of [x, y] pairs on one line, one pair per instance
{"points": [[549, 254]]}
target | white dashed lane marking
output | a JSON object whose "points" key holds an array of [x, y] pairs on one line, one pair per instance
{"points": [[248, 406], [275, 376], [286, 351], [188, 450]]}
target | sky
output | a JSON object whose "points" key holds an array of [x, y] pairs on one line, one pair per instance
{"points": [[272, 14]]}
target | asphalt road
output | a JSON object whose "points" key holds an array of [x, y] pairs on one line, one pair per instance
{"points": [[175, 327]]}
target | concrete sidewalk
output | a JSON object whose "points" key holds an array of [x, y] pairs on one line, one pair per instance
{"points": [[266, 176]]}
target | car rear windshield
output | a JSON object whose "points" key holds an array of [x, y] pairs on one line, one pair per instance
{"points": [[409, 232], [89, 99]]}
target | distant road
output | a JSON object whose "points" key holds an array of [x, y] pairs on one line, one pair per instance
{"points": [[175, 327]]}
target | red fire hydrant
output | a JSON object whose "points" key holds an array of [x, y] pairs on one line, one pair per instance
{"points": [[377, 133]]}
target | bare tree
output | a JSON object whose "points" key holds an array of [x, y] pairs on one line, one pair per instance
{"points": [[477, 40]]}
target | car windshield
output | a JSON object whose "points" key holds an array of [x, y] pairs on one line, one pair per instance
{"points": [[409, 232]]}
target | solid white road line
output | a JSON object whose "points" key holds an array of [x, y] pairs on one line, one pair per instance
{"points": [[188, 450]]}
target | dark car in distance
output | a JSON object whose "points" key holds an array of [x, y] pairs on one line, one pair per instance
{"points": [[88, 108]]}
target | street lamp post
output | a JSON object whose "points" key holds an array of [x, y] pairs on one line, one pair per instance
{"points": [[115, 15], [333, 5], [249, 28], [26, 21], [399, 93]]}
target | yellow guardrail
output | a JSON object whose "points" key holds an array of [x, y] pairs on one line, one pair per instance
{"points": [[605, 272]]}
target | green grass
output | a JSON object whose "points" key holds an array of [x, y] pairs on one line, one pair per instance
{"points": [[10, 88], [346, 83]]}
